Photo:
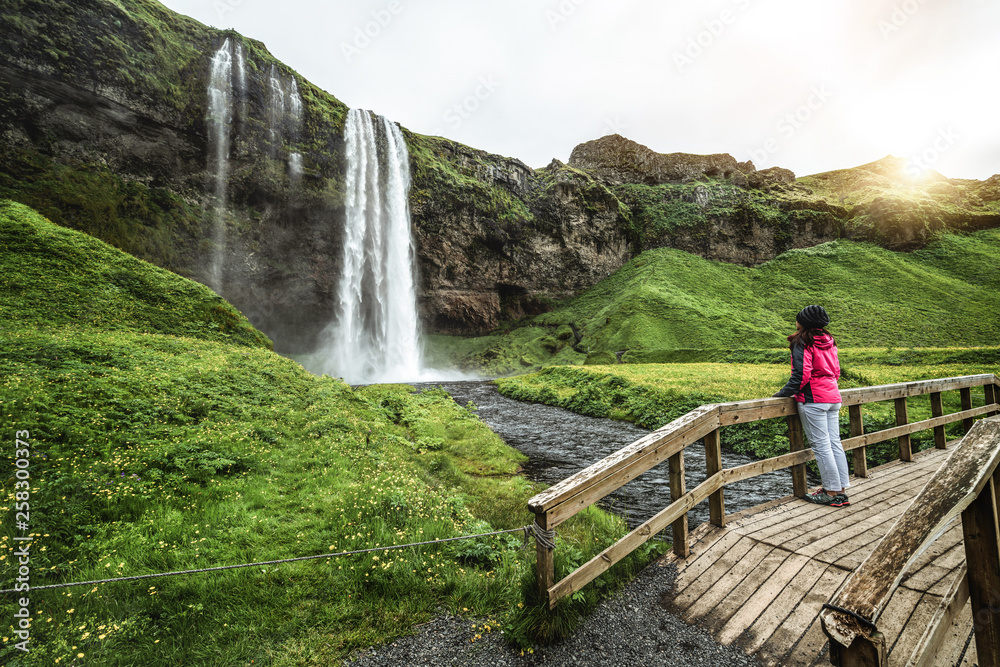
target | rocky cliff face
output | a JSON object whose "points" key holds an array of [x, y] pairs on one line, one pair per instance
{"points": [[104, 128], [716, 207]]}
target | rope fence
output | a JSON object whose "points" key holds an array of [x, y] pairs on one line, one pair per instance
{"points": [[544, 537]]}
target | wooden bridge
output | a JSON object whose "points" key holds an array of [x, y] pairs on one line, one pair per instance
{"points": [[908, 574]]}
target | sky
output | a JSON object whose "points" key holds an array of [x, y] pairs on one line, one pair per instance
{"points": [[808, 86]]}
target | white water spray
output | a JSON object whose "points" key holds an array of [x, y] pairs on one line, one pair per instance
{"points": [[374, 336], [219, 118], [295, 168], [241, 80], [276, 109]]}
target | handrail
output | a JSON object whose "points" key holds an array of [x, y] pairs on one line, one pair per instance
{"points": [[971, 470], [573, 494]]}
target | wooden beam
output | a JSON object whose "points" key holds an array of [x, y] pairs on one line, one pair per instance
{"points": [[626, 545], [755, 410], [949, 491], [902, 419], [937, 409], [926, 652], [890, 392], [966, 395], [858, 428], [596, 488], [679, 528], [668, 440], [713, 465], [748, 470], [545, 571], [863, 652], [992, 396], [982, 555], [796, 444]]}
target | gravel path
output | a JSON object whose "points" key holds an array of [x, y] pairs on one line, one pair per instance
{"points": [[630, 629]]}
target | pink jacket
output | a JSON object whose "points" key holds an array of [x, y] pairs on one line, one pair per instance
{"points": [[815, 371]]}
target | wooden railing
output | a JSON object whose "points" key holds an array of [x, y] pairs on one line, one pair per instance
{"points": [[967, 485], [564, 499]]}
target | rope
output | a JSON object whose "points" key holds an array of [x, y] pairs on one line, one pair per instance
{"points": [[271, 562], [860, 619], [547, 538]]}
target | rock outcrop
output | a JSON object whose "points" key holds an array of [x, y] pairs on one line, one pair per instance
{"points": [[617, 160]]}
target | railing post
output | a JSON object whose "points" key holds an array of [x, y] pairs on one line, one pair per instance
{"points": [[902, 419], [860, 453], [713, 464], [679, 528], [862, 652], [991, 396], [982, 555], [936, 411], [796, 444], [966, 395], [545, 572]]}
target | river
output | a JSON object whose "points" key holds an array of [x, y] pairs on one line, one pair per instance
{"points": [[559, 443]]}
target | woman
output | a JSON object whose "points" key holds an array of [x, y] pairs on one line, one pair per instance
{"points": [[815, 369]]}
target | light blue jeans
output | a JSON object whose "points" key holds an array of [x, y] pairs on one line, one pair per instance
{"points": [[821, 422]]}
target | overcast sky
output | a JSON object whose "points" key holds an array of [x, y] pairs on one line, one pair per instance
{"points": [[810, 86]]}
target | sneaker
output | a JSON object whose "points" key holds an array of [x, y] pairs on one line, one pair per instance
{"points": [[821, 498], [840, 500]]}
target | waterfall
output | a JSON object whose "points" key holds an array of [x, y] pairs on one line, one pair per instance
{"points": [[295, 168], [374, 335], [295, 118], [219, 117], [284, 119], [241, 80], [295, 107]]}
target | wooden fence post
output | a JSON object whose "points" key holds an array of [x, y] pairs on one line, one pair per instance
{"points": [[861, 653], [992, 395], [713, 464], [982, 554], [861, 453], [937, 410], [545, 572], [902, 419], [796, 444], [679, 528], [966, 395]]}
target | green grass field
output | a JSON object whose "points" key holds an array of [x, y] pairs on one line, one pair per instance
{"points": [[667, 306], [165, 435]]}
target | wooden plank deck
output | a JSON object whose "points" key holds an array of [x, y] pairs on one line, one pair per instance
{"points": [[760, 582]]}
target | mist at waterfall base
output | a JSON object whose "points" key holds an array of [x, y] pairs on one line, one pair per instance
{"points": [[374, 335]]}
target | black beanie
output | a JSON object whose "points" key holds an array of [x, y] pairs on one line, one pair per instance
{"points": [[813, 317]]}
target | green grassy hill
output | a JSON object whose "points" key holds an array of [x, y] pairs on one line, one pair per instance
{"points": [[668, 305], [163, 434], [54, 277]]}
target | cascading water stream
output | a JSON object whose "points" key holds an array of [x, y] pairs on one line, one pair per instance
{"points": [[219, 118], [374, 335]]}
